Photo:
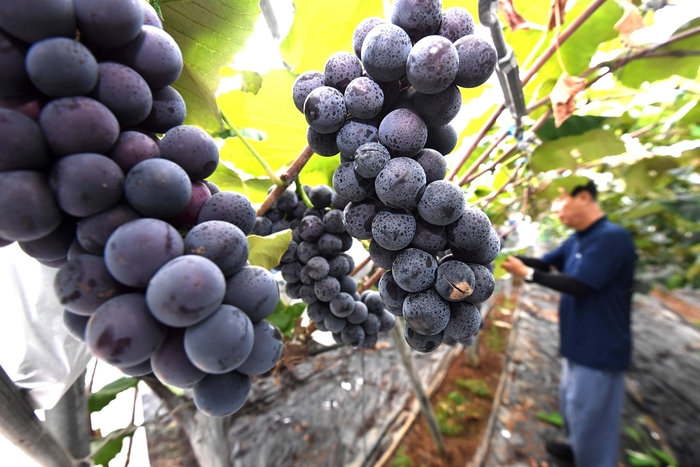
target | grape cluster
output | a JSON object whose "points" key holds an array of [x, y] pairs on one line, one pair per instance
{"points": [[317, 270], [387, 108], [153, 258]]}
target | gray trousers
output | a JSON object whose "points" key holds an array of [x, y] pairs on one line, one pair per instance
{"points": [[591, 402]]}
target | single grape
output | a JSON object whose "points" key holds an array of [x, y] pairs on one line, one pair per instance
{"points": [[320, 196], [75, 324], [361, 31], [432, 64], [333, 221], [340, 69], [123, 332], [34, 20], [393, 229], [426, 312], [443, 139], [14, 80], [403, 133], [150, 16], [327, 288], [311, 228], [221, 342], [338, 267], [429, 237], [317, 311], [353, 335], [384, 52], [307, 294], [392, 294], [373, 301], [266, 352], [484, 284], [358, 218], [73, 125], [418, 18], [342, 305], [158, 188], [86, 184], [124, 92], [262, 227], [153, 54], [188, 216], [414, 270], [221, 395], [185, 291], [471, 231], [381, 256], [400, 183], [455, 281], [324, 109], [350, 185], [333, 323], [322, 144], [477, 60], [433, 163], [108, 24], [370, 159], [442, 203], [221, 242], [131, 148], [364, 98], [482, 255], [421, 342], [352, 135], [456, 22], [192, 149], [304, 84], [317, 268], [168, 111], [28, 210], [94, 231], [254, 290], [330, 245], [439, 108], [386, 321], [170, 363], [83, 283], [140, 369], [137, 249], [22, 146], [230, 207], [371, 324], [464, 320]]}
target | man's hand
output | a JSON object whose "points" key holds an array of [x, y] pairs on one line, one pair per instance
{"points": [[514, 266]]}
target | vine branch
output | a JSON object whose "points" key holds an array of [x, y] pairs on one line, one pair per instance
{"points": [[287, 179]]}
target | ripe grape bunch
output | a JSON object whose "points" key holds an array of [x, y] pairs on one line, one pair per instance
{"points": [[317, 271], [387, 108], [88, 186]]}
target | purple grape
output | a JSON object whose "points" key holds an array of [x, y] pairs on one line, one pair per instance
{"points": [[358, 218], [317, 268], [342, 305], [455, 281], [440, 108], [456, 22], [322, 144], [320, 196], [221, 242], [443, 139], [333, 221], [340, 69], [168, 111], [22, 145], [94, 231], [353, 335], [131, 148], [482, 255], [61, 67], [254, 290], [403, 133], [384, 52], [371, 324], [393, 229], [392, 294], [333, 323], [83, 283], [123, 332], [221, 395], [350, 185], [400, 183], [338, 267], [432, 64], [414, 270], [327, 288], [266, 352], [150, 16], [426, 312], [418, 18], [75, 324], [352, 135], [317, 311], [324, 109], [422, 343], [484, 284], [14, 81], [433, 163], [464, 320], [33, 20], [55, 245], [370, 159], [364, 98], [304, 84], [359, 314], [442, 203], [369, 342], [192, 149], [386, 321], [28, 210], [158, 188], [311, 228], [185, 291], [477, 60], [230, 207], [221, 342], [330, 245], [124, 92], [108, 24], [137, 249], [470, 231], [361, 31], [170, 363]]}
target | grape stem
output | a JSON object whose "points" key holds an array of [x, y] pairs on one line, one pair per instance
{"points": [[303, 196], [268, 169], [372, 280], [483, 157], [287, 178]]}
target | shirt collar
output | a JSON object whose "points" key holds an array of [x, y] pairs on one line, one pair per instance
{"points": [[592, 227]]}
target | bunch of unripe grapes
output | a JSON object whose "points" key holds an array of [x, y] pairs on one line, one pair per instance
{"points": [[88, 185], [386, 108], [317, 270]]}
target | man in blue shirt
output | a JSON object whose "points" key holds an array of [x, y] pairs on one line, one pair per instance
{"points": [[595, 273]]}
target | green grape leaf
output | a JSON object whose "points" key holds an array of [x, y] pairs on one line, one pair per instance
{"points": [[228, 178], [111, 448], [563, 152], [551, 192], [209, 33], [252, 81], [285, 316], [664, 62], [267, 251], [634, 434], [572, 126], [271, 112], [100, 399], [664, 456], [322, 28], [319, 170]]}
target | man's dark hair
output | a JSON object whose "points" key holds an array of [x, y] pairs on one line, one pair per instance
{"points": [[589, 187]]}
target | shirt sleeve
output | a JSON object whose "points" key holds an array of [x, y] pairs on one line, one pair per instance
{"points": [[561, 283], [603, 260], [557, 256]]}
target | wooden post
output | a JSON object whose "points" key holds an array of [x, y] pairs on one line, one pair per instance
{"points": [[19, 424], [473, 359], [426, 408]]}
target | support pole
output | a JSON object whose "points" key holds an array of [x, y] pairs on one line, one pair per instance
{"points": [[19, 424], [69, 421], [422, 398]]}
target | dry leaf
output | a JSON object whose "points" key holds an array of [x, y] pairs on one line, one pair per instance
{"points": [[563, 96], [556, 15], [631, 21]]}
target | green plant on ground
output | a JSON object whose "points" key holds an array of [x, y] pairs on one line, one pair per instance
{"points": [[451, 413], [496, 339], [553, 418], [646, 455], [478, 387], [401, 459]]}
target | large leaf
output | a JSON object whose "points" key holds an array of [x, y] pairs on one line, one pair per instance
{"points": [[664, 63], [551, 192], [574, 125], [228, 178], [563, 152], [267, 251], [319, 170], [209, 33], [323, 27], [649, 174], [100, 399], [111, 448], [272, 112]]}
